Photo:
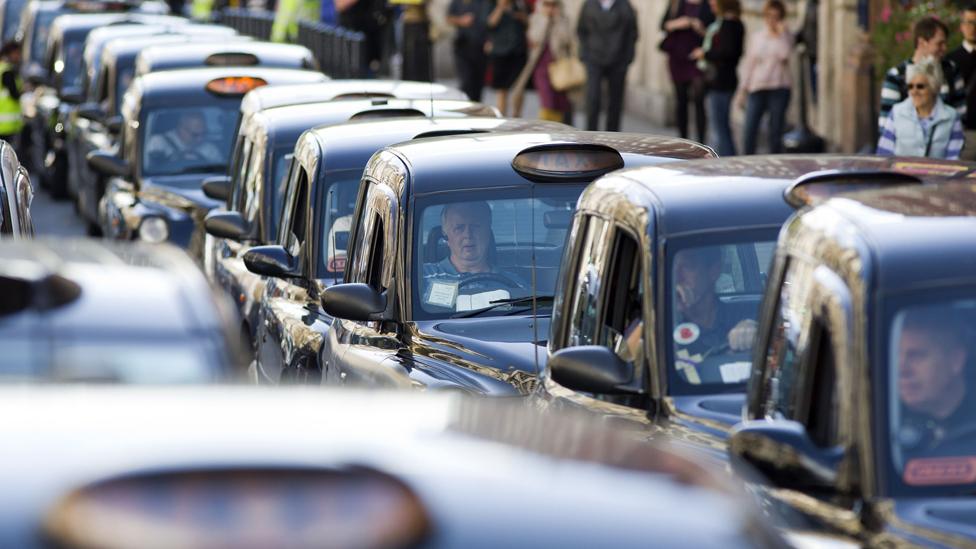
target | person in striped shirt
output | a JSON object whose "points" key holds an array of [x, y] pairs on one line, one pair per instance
{"points": [[930, 37], [922, 125]]}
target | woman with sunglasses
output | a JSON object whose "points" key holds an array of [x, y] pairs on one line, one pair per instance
{"points": [[922, 125]]}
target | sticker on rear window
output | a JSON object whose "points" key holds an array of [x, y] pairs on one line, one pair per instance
{"points": [[947, 470]]}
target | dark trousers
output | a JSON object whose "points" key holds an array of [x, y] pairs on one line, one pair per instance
{"points": [[758, 104], [693, 92], [615, 77], [719, 111], [471, 66], [416, 52]]}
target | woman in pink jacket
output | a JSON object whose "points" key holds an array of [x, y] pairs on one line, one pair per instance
{"points": [[766, 81]]}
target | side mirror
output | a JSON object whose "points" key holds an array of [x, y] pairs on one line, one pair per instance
{"points": [[782, 451], [217, 187], [91, 111], [353, 301], [228, 225], [591, 369], [108, 164], [271, 260], [114, 124]]}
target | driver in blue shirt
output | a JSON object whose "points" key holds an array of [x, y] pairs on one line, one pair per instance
{"points": [[467, 229]]}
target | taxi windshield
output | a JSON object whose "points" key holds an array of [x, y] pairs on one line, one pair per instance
{"points": [[123, 77], [11, 17], [474, 251], [70, 60], [931, 382], [714, 293], [279, 171], [188, 140], [339, 201]]}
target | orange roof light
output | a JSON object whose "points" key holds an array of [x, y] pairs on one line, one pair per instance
{"points": [[234, 85], [562, 162]]}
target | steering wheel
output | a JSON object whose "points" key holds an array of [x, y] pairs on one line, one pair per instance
{"points": [[719, 349], [497, 277]]}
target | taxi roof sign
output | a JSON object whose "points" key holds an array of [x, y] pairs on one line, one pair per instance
{"points": [[560, 162], [234, 85], [816, 187]]}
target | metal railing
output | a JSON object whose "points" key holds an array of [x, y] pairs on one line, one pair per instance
{"points": [[341, 53]]}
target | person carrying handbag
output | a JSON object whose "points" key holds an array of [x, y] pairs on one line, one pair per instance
{"points": [[551, 39]]}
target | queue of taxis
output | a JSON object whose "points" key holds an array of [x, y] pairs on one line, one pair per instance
{"points": [[177, 129], [16, 195], [256, 192]]}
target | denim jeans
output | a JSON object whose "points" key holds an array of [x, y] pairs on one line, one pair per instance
{"points": [[719, 109], [759, 103]]}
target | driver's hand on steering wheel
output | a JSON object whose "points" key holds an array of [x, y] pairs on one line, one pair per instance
{"points": [[742, 336]]}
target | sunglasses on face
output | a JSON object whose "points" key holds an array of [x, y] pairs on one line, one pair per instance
{"points": [[919, 87]]}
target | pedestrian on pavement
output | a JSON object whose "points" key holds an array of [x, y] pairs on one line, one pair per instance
{"points": [[718, 59], [551, 38], [766, 81], [506, 47], [470, 17], [964, 57], [684, 23], [370, 17], [607, 31], [930, 37], [11, 120], [922, 125]]}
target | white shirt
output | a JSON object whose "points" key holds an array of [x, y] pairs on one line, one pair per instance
{"points": [[606, 4]]}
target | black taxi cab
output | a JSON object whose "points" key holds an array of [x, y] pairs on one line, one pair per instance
{"points": [[256, 191], [216, 54], [246, 467], [94, 125], [453, 243], [83, 310], [178, 129], [284, 308], [657, 306], [860, 412], [16, 194]]}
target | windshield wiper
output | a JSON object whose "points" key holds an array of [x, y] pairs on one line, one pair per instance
{"points": [[496, 303], [202, 168]]}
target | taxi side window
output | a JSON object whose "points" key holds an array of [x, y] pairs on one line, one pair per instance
{"points": [[820, 409], [6, 219], [242, 163], [788, 346], [252, 183], [585, 296], [25, 194], [295, 229], [623, 322], [375, 268]]}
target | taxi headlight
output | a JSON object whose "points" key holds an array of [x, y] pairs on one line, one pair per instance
{"points": [[153, 229]]}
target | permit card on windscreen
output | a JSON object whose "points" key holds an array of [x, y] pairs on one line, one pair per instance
{"points": [[480, 301], [442, 294], [735, 372]]}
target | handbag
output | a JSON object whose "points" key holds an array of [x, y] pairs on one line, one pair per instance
{"points": [[567, 73]]}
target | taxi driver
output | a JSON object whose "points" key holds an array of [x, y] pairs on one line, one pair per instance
{"points": [[186, 142], [932, 357], [706, 324], [449, 282]]}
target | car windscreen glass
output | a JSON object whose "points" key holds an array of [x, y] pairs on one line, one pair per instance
{"points": [[11, 18], [472, 249], [38, 45], [339, 201], [931, 347], [714, 287], [188, 140]]}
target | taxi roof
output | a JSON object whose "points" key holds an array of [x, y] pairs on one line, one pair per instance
{"points": [[915, 235], [350, 145], [175, 85], [434, 166], [684, 191], [268, 54], [277, 96], [294, 119]]}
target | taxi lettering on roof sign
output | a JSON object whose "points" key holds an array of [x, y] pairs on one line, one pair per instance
{"points": [[567, 162], [234, 85]]}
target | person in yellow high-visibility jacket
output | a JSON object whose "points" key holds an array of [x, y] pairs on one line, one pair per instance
{"points": [[201, 9], [11, 119], [289, 13]]}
